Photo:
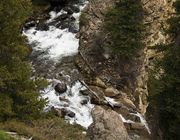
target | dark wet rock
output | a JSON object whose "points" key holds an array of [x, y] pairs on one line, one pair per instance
{"points": [[52, 23], [73, 18], [60, 88], [84, 102], [64, 25], [57, 8], [85, 92], [42, 27], [68, 10], [69, 113], [73, 28], [75, 8], [55, 3], [29, 25], [62, 17]]}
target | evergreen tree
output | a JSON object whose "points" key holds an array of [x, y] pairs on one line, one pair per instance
{"points": [[125, 24], [165, 90], [18, 91]]}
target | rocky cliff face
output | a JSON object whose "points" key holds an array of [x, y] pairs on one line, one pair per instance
{"points": [[127, 80]]}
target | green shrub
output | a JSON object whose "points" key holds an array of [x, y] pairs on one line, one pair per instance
{"points": [[4, 136], [46, 129], [83, 19]]}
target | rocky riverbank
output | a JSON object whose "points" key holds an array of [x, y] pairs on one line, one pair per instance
{"points": [[83, 72]]}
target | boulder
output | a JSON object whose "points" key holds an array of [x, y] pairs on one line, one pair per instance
{"points": [[69, 113], [99, 83], [138, 126], [107, 125], [42, 27], [127, 102], [60, 88], [111, 92], [30, 24], [73, 28]]}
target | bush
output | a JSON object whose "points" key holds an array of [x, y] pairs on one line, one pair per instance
{"points": [[45, 129], [83, 19], [4, 136]]}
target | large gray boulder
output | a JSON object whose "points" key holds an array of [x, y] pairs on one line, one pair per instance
{"points": [[107, 125]]}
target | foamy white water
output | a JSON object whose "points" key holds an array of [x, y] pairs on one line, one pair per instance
{"points": [[58, 43], [72, 100], [143, 121]]}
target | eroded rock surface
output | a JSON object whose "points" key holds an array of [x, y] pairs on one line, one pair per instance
{"points": [[107, 125]]}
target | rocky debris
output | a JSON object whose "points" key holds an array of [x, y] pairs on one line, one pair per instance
{"points": [[107, 125], [60, 88]]}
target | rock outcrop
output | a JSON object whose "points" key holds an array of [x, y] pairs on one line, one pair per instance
{"points": [[107, 125], [128, 79]]}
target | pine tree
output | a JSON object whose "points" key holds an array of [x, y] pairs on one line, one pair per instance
{"points": [[19, 95]]}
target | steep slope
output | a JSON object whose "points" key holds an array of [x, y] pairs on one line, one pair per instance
{"points": [[126, 79]]}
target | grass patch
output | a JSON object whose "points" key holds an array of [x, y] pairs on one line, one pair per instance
{"points": [[46, 129], [83, 19], [4, 136]]}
